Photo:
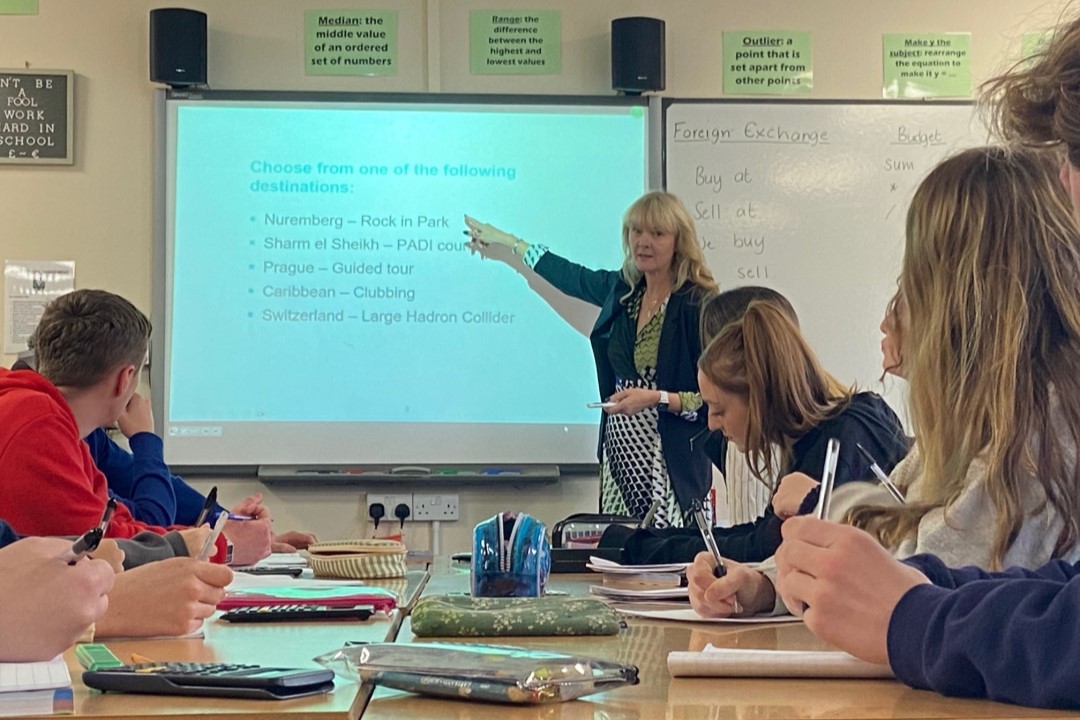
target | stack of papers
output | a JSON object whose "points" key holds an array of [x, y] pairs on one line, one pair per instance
{"points": [[640, 583], [41, 688]]}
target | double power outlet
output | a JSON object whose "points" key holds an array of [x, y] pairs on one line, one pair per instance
{"points": [[423, 507]]}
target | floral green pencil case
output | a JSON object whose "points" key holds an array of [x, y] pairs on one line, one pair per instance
{"points": [[462, 616]]}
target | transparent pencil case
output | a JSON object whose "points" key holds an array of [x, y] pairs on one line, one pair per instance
{"points": [[485, 673]]}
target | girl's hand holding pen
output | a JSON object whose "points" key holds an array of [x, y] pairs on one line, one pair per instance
{"points": [[843, 584], [741, 591]]}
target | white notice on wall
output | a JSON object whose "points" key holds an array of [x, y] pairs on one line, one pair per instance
{"points": [[29, 285]]}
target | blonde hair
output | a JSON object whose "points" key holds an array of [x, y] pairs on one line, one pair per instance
{"points": [[764, 359], [663, 212], [1036, 102], [990, 276]]}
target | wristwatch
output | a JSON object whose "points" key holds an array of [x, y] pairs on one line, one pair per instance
{"points": [[662, 406]]}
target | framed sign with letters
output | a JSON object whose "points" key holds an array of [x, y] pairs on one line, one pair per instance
{"points": [[36, 119]]}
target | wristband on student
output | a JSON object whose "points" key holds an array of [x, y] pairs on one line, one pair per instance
{"points": [[516, 249]]}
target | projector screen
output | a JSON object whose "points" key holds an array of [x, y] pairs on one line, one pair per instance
{"points": [[320, 305]]}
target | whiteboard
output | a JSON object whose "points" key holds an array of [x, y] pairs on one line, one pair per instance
{"points": [[811, 199]]}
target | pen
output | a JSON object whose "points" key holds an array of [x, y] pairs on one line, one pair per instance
{"points": [[211, 501], [650, 514], [106, 517], [91, 538], [211, 540], [706, 535], [828, 477], [86, 543], [880, 474]]}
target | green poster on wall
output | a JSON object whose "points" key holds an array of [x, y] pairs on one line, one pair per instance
{"points": [[350, 42], [1033, 43], [768, 62], [518, 42], [18, 7], [920, 65]]}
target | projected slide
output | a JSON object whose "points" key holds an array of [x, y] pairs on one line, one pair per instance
{"points": [[319, 284]]}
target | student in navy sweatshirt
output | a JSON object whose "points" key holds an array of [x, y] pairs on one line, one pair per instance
{"points": [[766, 389], [1009, 636]]}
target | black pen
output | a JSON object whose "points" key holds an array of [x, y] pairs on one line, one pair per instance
{"points": [[87, 543], [110, 508], [880, 474], [208, 506], [706, 534]]}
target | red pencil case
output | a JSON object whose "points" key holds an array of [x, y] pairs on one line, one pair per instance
{"points": [[378, 598]]}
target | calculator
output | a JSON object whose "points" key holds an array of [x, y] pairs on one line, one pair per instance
{"points": [[291, 613], [212, 680]]}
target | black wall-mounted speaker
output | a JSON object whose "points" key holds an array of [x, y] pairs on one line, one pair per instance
{"points": [[637, 54], [178, 47]]}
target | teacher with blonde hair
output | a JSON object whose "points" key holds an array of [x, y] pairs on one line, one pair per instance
{"points": [[645, 343]]}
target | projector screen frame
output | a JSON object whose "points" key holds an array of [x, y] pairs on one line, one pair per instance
{"points": [[159, 284]]}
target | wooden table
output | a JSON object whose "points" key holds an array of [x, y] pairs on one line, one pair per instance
{"points": [[284, 644], [646, 643]]}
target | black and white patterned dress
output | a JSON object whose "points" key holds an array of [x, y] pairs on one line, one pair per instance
{"points": [[633, 471]]}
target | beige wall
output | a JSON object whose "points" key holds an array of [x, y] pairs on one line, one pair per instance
{"points": [[98, 212]]}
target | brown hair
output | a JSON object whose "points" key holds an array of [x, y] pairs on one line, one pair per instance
{"points": [[663, 212], [1036, 102], [85, 335], [720, 310], [990, 276], [764, 359]]}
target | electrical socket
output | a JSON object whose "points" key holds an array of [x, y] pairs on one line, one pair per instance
{"points": [[436, 506], [390, 502]]}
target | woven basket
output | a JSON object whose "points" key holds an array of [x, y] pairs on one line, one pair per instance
{"points": [[357, 559]]}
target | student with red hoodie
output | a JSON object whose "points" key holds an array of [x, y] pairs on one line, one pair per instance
{"points": [[91, 346]]}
